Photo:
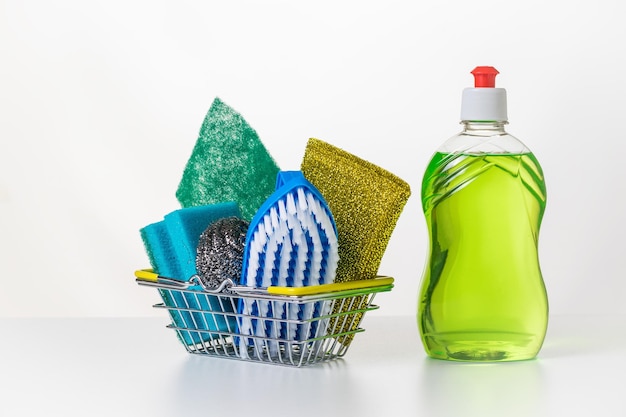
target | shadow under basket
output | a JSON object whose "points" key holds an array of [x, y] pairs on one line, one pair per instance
{"points": [[277, 325]]}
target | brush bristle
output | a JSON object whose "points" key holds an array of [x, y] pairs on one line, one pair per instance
{"points": [[303, 226], [294, 244]]}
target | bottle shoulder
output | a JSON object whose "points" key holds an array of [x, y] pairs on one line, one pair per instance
{"points": [[479, 142]]}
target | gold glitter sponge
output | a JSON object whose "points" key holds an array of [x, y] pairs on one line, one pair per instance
{"points": [[366, 202]]}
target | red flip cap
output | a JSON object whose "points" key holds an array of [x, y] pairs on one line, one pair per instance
{"points": [[485, 77]]}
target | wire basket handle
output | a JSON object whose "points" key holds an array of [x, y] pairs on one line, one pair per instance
{"points": [[150, 278]]}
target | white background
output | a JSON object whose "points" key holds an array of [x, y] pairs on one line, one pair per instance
{"points": [[101, 103]]}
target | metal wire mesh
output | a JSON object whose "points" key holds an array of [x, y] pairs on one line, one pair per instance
{"points": [[276, 329]]}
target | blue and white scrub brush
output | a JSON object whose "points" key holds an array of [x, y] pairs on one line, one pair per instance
{"points": [[291, 242]]}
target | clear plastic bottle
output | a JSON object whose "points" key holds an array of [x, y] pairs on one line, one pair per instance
{"points": [[482, 295]]}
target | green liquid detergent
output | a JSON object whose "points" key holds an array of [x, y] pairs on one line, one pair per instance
{"points": [[482, 296]]}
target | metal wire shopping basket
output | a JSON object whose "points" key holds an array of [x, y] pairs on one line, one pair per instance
{"points": [[279, 325]]}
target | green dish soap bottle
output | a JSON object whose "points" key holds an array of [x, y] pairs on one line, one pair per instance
{"points": [[482, 295]]}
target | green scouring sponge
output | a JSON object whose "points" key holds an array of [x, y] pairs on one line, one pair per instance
{"points": [[228, 163]]}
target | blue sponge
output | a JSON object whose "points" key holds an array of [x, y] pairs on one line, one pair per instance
{"points": [[185, 227], [171, 245], [163, 259]]}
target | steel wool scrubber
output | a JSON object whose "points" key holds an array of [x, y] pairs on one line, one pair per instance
{"points": [[220, 251]]}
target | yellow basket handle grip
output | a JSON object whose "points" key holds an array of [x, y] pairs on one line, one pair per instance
{"points": [[334, 287]]}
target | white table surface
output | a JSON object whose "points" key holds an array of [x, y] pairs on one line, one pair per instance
{"points": [[136, 367]]}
